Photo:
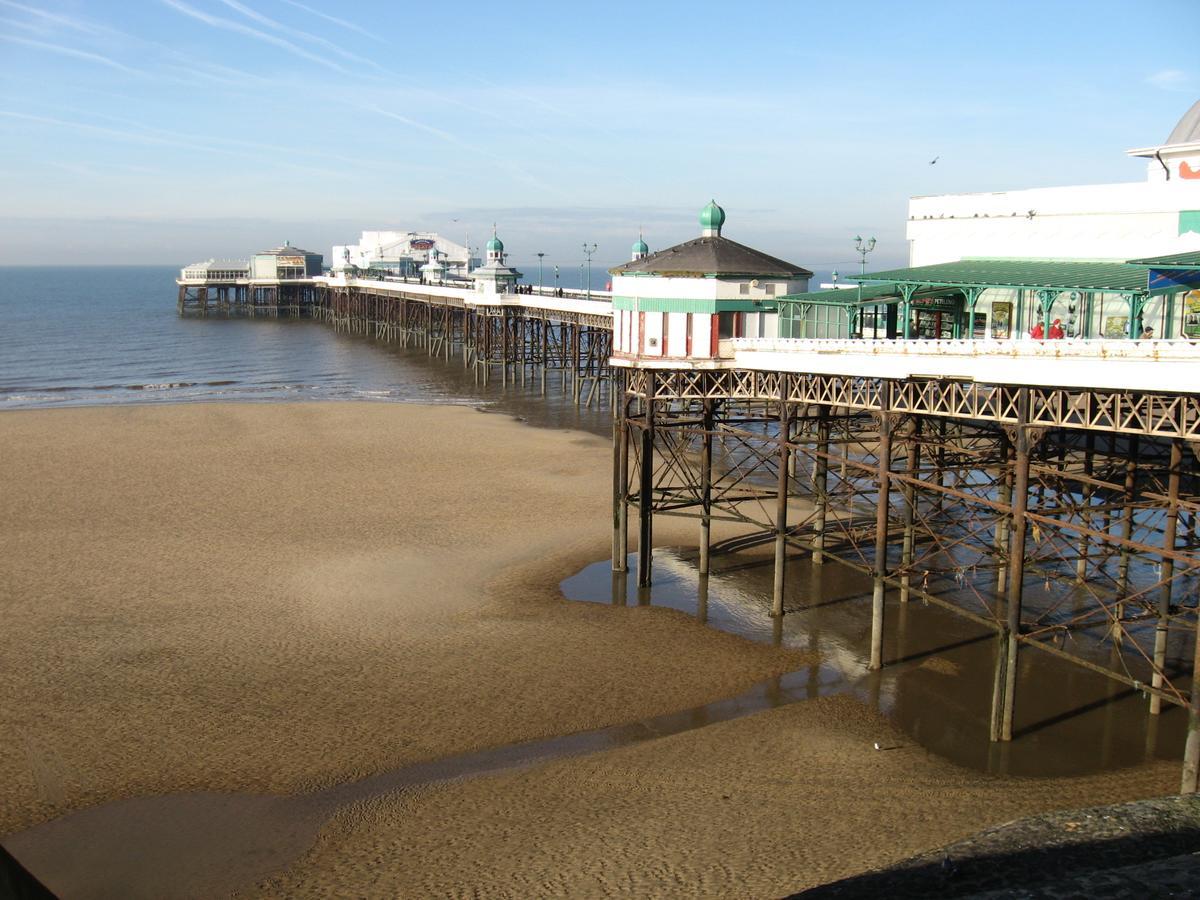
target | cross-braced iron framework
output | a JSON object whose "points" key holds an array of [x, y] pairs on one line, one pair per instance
{"points": [[512, 343], [1055, 517]]}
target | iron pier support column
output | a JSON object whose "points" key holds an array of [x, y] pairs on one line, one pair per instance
{"points": [[706, 458], [620, 549], [1191, 749], [821, 485], [1024, 438], [646, 486], [910, 502], [1089, 468], [1004, 520], [881, 524], [1126, 534], [1168, 572], [781, 502]]}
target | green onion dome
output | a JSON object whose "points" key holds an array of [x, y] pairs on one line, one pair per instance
{"points": [[712, 216]]}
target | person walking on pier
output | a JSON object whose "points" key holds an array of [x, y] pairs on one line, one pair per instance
{"points": [[1038, 333]]}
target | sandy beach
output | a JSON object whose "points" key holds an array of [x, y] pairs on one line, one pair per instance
{"points": [[274, 598]]}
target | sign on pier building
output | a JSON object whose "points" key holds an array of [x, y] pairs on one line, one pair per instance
{"points": [[681, 303]]}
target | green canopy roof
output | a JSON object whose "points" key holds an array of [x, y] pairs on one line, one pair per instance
{"points": [[841, 296], [1171, 261], [1064, 275]]}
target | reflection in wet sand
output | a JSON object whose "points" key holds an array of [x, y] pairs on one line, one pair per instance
{"points": [[937, 680]]}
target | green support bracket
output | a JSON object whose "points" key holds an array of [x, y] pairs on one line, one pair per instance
{"points": [[906, 294], [972, 295], [1046, 303], [1137, 303]]}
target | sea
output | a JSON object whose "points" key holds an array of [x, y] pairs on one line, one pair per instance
{"points": [[84, 336]]}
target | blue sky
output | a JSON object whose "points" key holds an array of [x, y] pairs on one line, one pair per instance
{"points": [[164, 131]]}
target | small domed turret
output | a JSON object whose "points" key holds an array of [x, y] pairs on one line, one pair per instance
{"points": [[712, 217], [640, 250], [495, 248]]}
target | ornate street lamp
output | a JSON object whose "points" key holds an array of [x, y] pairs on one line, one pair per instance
{"points": [[588, 253], [864, 249], [540, 255]]}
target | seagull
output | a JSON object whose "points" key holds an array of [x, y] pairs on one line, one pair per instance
{"points": [[934, 160], [877, 747]]}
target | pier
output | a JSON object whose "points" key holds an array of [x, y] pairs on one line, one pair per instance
{"points": [[1045, 490], [1057, 517]]}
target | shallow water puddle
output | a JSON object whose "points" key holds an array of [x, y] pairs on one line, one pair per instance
{"points": [[938, 668]]}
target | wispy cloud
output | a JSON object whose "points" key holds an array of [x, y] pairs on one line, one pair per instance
{"points": [[239, 28], [1170, 80], [505, 163], [192, 143], [72, 22], [256, 16], [71, 51], [335, 20]]}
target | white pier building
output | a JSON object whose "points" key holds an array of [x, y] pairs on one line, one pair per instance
{"points": [[1116, 222]]}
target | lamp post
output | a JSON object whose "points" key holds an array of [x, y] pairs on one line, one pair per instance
{"points": [[863, 249], [540, 255], [556, 281], [588, 252]]}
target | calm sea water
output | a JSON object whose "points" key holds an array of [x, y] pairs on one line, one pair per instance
{"points": [[111, 335]]}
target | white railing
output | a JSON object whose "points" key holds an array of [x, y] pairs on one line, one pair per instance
{"points": [[1175, 348], [573, 301]]}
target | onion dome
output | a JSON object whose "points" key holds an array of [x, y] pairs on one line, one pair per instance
{"points": [[712, 217]]}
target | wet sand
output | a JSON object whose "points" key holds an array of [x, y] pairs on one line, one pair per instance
{"points": [[268, 599]]}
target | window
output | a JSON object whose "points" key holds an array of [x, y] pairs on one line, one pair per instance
{"points": [[744, 288], [771, 290], [726, 325]]}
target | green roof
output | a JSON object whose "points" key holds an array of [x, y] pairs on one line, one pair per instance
{"points": [[1064, 275], [841, 296], [1189, 260]]}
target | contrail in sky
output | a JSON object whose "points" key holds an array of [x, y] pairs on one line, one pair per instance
{"points": [[230, 25], [256, 16], [335, 20], [71, 51], [68, 21]]}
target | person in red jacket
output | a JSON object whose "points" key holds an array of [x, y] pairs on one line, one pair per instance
{"points": [[1056, 330], [1037, 332]]}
